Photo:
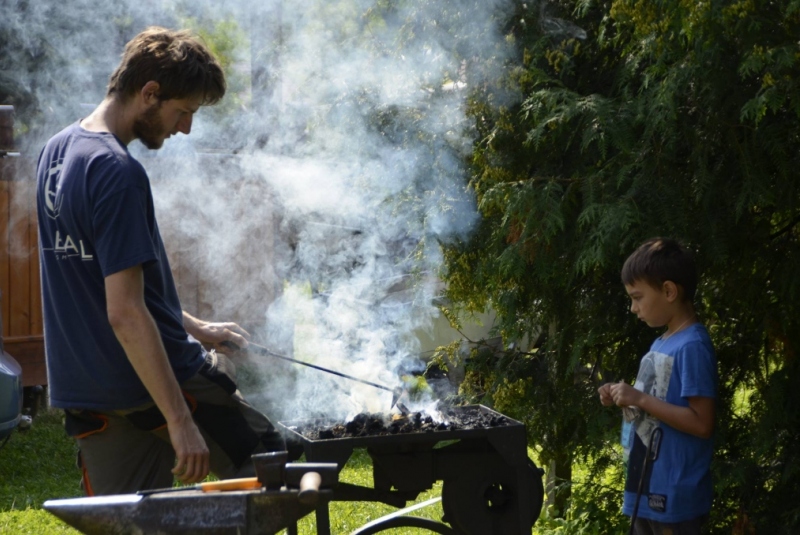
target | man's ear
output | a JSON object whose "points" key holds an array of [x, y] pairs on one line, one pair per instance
{"points": [[671, 291], [150, 92]]}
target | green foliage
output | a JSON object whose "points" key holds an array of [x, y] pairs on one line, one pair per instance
{"points": [[670, 118]]}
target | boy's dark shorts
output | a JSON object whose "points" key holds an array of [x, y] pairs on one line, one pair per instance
{"points": [[125, 451], [645, 526]]}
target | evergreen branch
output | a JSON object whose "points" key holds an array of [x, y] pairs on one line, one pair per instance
{"points": [[795, 220]]}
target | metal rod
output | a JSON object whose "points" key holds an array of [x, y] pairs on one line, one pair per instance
{"points": [[264, 351]]}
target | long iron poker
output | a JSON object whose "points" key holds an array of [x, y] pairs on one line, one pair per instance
{"points": [[396, 392]]}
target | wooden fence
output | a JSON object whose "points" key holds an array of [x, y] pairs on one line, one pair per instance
{"points": [[19, 259]]}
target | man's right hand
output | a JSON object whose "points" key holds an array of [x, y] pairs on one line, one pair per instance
{"points": [[191, 451]]}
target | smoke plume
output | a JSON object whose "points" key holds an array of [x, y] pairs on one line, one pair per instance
{"points": [[309, 205]]}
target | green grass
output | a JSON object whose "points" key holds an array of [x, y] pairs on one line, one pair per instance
{"points": [[39, 464]]}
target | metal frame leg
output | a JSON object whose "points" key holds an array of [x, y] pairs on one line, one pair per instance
{"points": [[323, 520]]}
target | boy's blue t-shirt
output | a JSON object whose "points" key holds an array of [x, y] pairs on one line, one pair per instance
{"points": [[678, 487], [96, 218]]}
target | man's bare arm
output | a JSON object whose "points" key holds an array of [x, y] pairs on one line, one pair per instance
{"points": [[138, 334]]}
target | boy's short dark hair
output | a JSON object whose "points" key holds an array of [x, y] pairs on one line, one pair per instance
{"points": [[182, 65], [659, 260]]}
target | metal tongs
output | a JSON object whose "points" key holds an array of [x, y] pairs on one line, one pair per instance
{"points": [[261, 350]]}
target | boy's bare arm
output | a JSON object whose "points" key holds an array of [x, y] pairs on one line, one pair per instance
{"points": [[697, 419]]}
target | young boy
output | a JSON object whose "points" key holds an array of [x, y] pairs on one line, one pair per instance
{"points": [[674, 391]]}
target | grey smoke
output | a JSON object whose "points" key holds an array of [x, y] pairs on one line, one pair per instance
{"points": [[309, 206]]}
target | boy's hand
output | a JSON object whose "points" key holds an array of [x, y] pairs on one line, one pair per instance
{"points": [[605, 395], [624, 395]]}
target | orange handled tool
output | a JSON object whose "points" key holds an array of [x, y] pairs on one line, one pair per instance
{"points": [[244, 483]]}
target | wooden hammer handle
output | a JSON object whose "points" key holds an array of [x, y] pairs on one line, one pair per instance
{"points": [[309, 488], [245, 483]]}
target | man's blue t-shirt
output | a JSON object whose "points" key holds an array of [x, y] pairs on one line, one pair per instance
{"points": [[678, 487], [96, 218]]}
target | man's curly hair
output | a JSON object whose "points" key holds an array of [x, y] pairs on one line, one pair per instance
{"points": [[181, 64]]}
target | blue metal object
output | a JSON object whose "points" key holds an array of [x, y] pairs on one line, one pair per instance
{"points": [[10, 388], [10, 393]]}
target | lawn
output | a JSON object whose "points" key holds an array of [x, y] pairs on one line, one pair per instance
{"points": [[39, 464]]}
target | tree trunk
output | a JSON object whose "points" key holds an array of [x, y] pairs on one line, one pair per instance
{"points": [[559, 482]]}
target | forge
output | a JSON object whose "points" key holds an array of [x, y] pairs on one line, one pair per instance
{"points": [[489, 485]]}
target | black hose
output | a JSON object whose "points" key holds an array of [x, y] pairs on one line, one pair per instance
{"points": [[645, 465]]}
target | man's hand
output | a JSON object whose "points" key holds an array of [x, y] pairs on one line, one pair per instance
{"points": [[624, 395], [191, 452], [605, 395], [214, 334]]}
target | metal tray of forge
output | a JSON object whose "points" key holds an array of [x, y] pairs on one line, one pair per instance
{"points": [[501, 425]]}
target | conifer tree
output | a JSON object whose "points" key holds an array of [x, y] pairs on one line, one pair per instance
{"points": [[616, 121]]}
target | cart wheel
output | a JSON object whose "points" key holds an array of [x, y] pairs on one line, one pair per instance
{"points": [[490, 503]]}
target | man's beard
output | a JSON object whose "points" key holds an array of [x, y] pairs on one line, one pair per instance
{"points": [[149, 128]]}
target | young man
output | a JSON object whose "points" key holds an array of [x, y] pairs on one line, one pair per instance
{"points": [[143, 398], [674, 392]]}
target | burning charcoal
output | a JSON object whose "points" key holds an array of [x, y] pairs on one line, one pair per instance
{"points": [[354, 426], [366, 425], [497, 421], [375, 427]]}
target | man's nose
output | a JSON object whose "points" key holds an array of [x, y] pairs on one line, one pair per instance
{"points": [[185, 125]]}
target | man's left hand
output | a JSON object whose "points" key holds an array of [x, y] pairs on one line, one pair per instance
{"points": [[216, 335]]}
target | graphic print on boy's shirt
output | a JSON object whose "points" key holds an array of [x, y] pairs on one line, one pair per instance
{"points": [[653, 379]]}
